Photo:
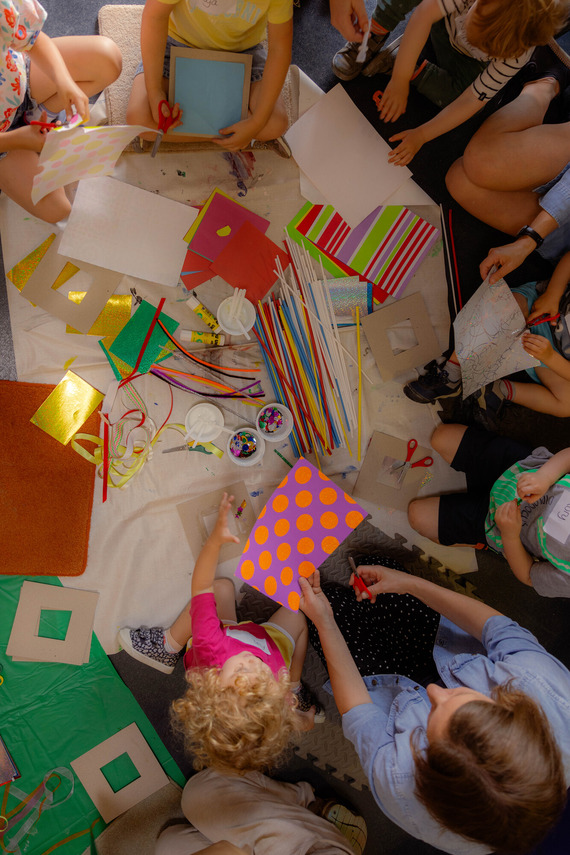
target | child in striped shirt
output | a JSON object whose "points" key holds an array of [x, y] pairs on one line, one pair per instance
{"points": [[517, 502], [479, 45]]}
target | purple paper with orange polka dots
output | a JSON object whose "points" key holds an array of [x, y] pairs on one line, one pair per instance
{"points": [[303, 522]]}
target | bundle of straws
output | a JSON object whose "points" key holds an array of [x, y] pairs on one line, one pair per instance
{"points": [[304, 358]]}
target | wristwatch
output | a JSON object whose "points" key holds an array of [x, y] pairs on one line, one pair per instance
{"points": [[530, 232]]}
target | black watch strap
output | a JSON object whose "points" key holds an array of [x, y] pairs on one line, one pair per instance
{"points": [[530, 232]]}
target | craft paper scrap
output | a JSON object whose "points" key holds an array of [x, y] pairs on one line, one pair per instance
{"points": [[303, 522], [195, 270], [70, 154], [346, 294], [344, 156], [486, 339], [21, 272], [248, 261], [128, 230], [67, 408], [386, 248], [112, 319], [130, 340], [332, 265], [217, 222]]}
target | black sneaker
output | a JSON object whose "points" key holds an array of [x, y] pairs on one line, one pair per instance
{"points": [[306, 700], [147, 645], [489, 405], [433, 385], [548, 61], [383, 62], [344, 63]]}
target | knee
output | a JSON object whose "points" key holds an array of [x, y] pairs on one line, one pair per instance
{"points": [[54, 207], [416, 515], [440, 439], [480, 161], [111, 60], [456, 180]]}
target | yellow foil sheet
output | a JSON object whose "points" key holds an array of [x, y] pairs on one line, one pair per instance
{"points": [[22, 271], [67, 408], [116, 313]]}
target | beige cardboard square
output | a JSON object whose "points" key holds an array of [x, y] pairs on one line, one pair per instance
{"points": [[24, 641], [244, 59], [369, 485], [99, 283], [195, 515], [376, 326], [88, 770]]}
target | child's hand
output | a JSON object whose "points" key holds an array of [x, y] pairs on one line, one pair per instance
{"points": [[237, 137], [508, 520], [381, 580], [74, 99], [31, 137], [222, 533], [531, 486], [313, 602], [543, 305], [412, 141], [538, 346], [394, 100]]}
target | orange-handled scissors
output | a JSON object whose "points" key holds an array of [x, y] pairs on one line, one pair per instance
{"points": [[406, 464], [168, 115]]}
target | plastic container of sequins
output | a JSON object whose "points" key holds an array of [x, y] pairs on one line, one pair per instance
{"points": [[274, 422], [246, 447]]}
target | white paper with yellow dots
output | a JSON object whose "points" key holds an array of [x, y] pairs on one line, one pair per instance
{"points": [[303, 522], [70, 154]]}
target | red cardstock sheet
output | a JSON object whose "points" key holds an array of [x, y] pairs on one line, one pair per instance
{"points": [[248, 261]]}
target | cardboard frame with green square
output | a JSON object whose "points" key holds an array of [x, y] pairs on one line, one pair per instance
{"points": [[377, 327], [103, 769], [31, 637]]}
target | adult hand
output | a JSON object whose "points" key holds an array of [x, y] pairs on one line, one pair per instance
{"points": [[394, 100], [508, 520], [313, 602], [412, 141], [350, 18], [538, 346], [546, 304], [222, 531], [531, 486], [381, 580], [239, 136], [505, 259]]}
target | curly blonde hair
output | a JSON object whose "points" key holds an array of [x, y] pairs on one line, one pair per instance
{"points": [[508, 29], [241, 727]]}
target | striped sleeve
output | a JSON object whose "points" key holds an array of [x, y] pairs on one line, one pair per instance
{"points": [[497, 74]]}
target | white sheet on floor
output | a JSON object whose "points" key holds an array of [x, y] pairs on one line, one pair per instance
{"points": [[139, 559]]}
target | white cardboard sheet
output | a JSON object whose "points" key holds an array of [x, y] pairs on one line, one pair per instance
{"points": [[124, 228], [340, 152]]}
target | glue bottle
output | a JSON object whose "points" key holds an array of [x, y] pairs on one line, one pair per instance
{"points": [[203, 313], [208, 338]]}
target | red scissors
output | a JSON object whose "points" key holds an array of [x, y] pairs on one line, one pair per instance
{"points": [[358, 580], [406, 464], [168, 115], [543, 319]]}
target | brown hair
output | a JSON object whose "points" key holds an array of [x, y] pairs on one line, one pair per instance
{"points": [[241, 727], [508, 29], [497, 775]]}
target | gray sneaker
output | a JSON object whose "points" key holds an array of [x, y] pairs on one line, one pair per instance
{"points": [[147, 645], [344, 62]]}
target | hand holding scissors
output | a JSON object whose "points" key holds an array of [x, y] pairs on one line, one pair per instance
{"points": [[407, 465], [168, 116], [357, 581]]}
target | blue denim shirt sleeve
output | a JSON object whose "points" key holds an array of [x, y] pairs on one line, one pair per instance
{"points": [[556, 200]]}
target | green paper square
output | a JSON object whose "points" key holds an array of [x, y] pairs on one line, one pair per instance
{"points": [[129, 342], [54, 623], [120, 772]]}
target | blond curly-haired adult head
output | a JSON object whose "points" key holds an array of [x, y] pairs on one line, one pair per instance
{"points": [[238, 725]]}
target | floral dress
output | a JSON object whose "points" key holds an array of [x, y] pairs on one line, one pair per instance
{"points": [[21, 22]]}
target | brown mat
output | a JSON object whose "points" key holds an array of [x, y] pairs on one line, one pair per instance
{"points": [[46, 491]]}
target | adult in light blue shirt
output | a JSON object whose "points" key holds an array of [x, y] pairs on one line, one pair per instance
{"points": [[467, 764]]}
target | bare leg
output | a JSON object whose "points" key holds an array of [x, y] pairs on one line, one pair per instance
{"points": [[93, 62], [17, 171], [552, 397], [446, 440], [138, 108], [224, 592], [423, 516], [510, 154], [277, 123]]}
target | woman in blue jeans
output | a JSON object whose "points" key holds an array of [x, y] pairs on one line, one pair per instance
{"points": [[478, 760]]}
